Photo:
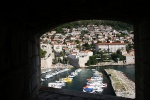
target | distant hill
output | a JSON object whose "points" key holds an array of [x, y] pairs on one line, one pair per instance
{"points": [[117, 25]]}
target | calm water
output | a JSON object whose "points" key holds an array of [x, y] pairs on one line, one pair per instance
{"points": [[80, 80]]}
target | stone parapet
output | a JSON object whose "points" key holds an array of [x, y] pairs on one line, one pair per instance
{"points": [[48, 93]]}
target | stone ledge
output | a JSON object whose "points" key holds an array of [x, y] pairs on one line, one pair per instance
{"points": [[44, 92]]}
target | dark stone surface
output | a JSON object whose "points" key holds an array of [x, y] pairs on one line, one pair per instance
{"points": [[74, 95]]}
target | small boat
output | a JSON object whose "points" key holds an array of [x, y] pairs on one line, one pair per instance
{"points": [[73, 74], [95, 78], [78, 70], [55, 85], [93, 88], [104, 85], [42, 79], [89, 90], [67, 79], [61, 82], [93, 69], [48, 76], [98, 89], [94, 83]]}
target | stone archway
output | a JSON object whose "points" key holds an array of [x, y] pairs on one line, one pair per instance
{"points": [[22, 24]]}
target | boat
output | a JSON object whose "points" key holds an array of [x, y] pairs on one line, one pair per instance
{"points": [[55, 85], [73, 74], [89, 90], [78, 70], [95, 78], [42, 79], [97, 74], [48, 76], [67, 79], [93, 69], [61, 82], [98, 89], [92, 88], [104, 85], [93, 82]]}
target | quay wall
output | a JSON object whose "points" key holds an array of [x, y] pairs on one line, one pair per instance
{"points": [[110, 82], [123, 87]]}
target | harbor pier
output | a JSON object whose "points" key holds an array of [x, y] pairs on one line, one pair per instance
{"points": [[122, 86]]}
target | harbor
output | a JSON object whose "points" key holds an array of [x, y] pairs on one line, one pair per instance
{"points": [[79, 81]]}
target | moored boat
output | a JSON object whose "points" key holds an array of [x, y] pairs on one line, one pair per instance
{"points": [[55, 85], [67, 79], [89, 90]]}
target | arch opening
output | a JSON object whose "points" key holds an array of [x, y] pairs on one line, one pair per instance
{"points": [[84, 43]]}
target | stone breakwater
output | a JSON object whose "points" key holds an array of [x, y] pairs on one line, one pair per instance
{"points": [[123, 87]]}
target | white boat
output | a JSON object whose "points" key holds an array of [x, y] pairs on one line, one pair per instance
{"points": [[98, 89], [93, 69], [78, 70], [49, 70], [94, 82], [61, 82], [104, 85], [92, 88], [97, 74], [48, 76], [55, 85], [95, 79], [42, 79], [73, 74]]}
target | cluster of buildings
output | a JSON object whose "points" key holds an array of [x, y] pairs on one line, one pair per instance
{"points": [[104, 37]]}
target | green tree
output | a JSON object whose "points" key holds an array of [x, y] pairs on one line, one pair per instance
{"points": [[42, 53], [87, 46], [117, 25], [88, 63], [92, 60], [114, 57], [117, 55], [77, 41], [129, 47], [119, 52]]}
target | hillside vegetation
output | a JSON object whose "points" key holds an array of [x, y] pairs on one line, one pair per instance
{"points": [[117, 25]]}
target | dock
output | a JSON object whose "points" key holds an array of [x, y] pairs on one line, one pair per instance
{"points": [[122, 86]]}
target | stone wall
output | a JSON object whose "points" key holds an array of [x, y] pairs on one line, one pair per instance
{"points": [[142, 59], [130, 59], [34, 65], [20, 62], [46, 62]]}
